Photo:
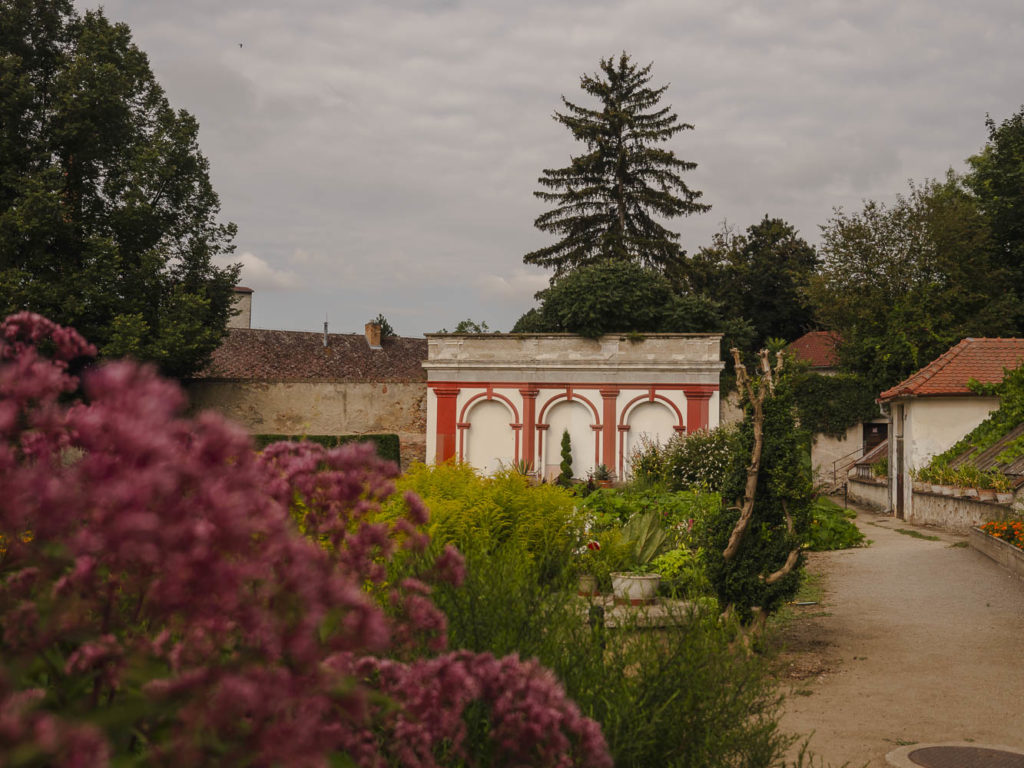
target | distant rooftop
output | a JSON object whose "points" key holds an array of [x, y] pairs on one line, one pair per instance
{"points": [[818, 348], [253, 354], [983, 360]]}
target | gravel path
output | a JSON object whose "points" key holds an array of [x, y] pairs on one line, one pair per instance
{"points": [[914, 641]]}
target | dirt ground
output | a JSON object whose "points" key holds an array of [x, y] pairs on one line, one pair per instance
{"points": [[912, 641]]}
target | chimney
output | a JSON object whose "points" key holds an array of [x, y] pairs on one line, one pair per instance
{"points": [[242, 306], [373, 335]]}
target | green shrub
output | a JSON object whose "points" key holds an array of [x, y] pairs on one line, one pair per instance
{"points": [[832, 527], [783, 486], [682, 573], [539, 522], [387, 445], [697, 460], [683, 695], [881, 467]]}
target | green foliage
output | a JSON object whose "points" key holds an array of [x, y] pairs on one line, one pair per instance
{"points": [[761, 274], [682, 512], [468, 326], [832, 527], [700, 459], [997, 180], [1008, 416], [648, 537], [108, 217], [539, 522], [565, 468], [682, 573], [696, 460], [784, 485], [387, 445], [881, 467], [902, 283], [385, 327], [620, 297], [608, 199], [830, 405], [682, 696]]}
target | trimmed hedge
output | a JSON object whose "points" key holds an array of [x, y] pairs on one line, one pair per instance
{"points": [[387, 445]]}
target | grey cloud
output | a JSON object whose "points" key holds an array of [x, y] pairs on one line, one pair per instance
{"points": [[400, 141]]}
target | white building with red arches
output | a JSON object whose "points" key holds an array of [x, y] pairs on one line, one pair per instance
{"points": [[498, 399]]}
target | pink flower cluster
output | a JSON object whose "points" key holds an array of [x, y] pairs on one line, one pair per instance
{"points": [[158, 600]]}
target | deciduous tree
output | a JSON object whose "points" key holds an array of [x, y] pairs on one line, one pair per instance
{"points": [[997, 180], [903, 282], [761, 274], [608, 199], [108, 221]]}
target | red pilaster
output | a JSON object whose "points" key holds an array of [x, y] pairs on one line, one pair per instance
{"points": [[445, 433], [697, 409], [609, 419], [529, 425]]}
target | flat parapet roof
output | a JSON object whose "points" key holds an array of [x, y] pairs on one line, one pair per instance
{"points": [[653, 357]]}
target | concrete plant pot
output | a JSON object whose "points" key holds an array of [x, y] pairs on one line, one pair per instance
{"points": [[635, 588]]}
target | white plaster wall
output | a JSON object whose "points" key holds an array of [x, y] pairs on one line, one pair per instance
{"points": [[930, 426], [490, 442], [873, 494], [933, 424], [651, 421], [825, 450], [577, 418]]}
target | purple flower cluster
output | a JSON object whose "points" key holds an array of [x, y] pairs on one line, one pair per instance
{"points": [[157, 598]]}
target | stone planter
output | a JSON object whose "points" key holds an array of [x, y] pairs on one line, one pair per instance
{"points": [[588, 585], [1004, 497], [635, 588], [970, 493], [986, 494], [1003, 552]]}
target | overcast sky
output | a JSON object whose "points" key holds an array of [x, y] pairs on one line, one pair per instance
{"points": [[381, 155]]}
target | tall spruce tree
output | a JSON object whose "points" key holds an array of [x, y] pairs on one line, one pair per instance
{"points": [[108, 221], [607, 199]]}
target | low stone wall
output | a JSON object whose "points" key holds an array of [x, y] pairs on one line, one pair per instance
{"points": [[1003, 552], [869, 492], [322, 408], [954, 513]]}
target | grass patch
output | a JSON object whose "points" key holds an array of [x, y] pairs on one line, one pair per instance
{"points": [[959, 545], [916, 534]]}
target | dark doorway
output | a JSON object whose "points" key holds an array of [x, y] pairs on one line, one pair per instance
{"points": [[874, 434]]}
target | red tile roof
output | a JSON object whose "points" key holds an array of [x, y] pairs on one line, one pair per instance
{"points": [[817, 348], [980, 359], [253, 354]]}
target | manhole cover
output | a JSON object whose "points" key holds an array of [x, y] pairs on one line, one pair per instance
{"points": [[965, 757]]}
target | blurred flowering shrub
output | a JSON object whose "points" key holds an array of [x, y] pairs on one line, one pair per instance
{"points": [[159, 606], [697, 460]]}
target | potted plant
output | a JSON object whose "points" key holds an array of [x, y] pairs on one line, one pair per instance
{"points": [[587, 557], [639, 586], [602, 476], [1001, 484]]}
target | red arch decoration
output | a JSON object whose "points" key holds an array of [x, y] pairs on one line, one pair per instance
{"points": [[490, 396], [650, 397], [570, 396]]}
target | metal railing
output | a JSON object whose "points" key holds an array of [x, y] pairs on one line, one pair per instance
{"points": [[841, 467]]}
